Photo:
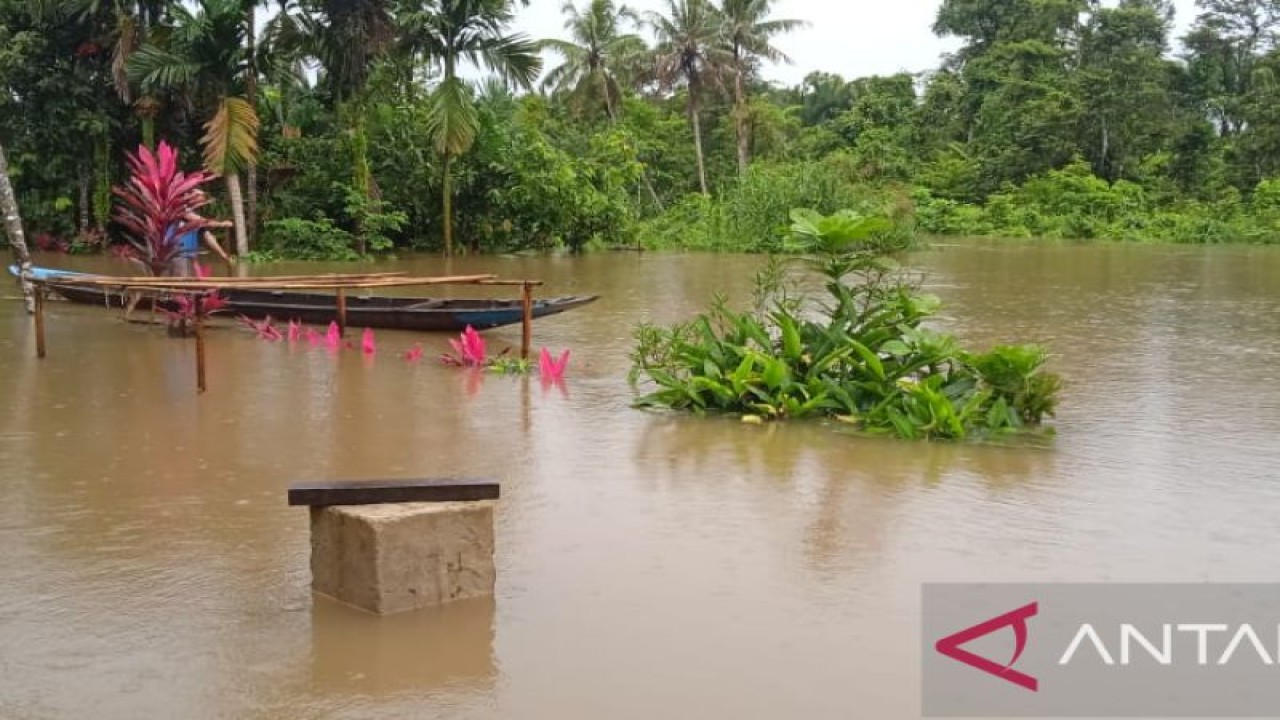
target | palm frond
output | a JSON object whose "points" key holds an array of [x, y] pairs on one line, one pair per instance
{"points": [[153, 68], [514, 57], [452, 117], [231, 137]]}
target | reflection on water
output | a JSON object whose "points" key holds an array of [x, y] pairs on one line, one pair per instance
{"points": [[649, 564], [446, 648]]}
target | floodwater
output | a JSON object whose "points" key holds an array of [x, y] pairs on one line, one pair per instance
{"points": [[649, 565]]}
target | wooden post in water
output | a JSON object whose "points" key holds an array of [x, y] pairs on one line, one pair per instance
{"points": [[199, 306], [39, 317], [526, 303], [342, 312]]}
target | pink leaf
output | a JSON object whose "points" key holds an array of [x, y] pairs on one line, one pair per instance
{"points": [[473, 350], [552, 369], [155, 203]]}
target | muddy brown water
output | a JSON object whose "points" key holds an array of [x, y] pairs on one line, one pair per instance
{"points": [[649, 565]]}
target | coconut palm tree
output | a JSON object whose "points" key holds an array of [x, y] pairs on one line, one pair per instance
{"points": [[13, 228], [445, 33], [690, 51], [598, 60], [202, 62], [596, 56], [747, 35]]}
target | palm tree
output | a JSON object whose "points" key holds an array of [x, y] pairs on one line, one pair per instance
{"points": [[13, 228], [747, 35], [689, 50], [203, 63], [251, 95], [445, 33], [346, 37], [597, 61], [595, 57]]}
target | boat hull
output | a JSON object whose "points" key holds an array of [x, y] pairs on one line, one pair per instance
{"points": [[376, 311]]}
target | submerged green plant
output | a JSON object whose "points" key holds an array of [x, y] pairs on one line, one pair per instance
{"points": [[505, 365], [860, 355]]}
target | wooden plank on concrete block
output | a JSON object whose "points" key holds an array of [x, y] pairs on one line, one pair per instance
{"points": [[378, 492]]}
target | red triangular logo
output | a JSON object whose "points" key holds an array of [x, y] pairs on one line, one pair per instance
{"points": [[1017, 619]]}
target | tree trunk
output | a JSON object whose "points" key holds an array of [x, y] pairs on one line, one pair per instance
{"points": [[1105, 164], [237, 213], [448, 205], [361, 176], [740, 118], [251, 94], [251, 201], [85, 199], [102, 193], [13, 228], [697, 140]]}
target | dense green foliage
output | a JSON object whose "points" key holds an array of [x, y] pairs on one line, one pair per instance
{"points": [[1058, 118], [862, 354]]}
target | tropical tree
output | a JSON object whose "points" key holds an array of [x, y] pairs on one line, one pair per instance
{"points": [[748, 37], [203, 63], [1125, 85], [251, 95], [13, 228], [598, 60], [690, 51], [446, 33], [596, 57], [822, 97], [347, 38]]}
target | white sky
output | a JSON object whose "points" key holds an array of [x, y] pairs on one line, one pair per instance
{"points": [[854, 38]]}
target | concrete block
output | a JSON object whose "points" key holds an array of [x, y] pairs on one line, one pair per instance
{"points": [[393, 558]]}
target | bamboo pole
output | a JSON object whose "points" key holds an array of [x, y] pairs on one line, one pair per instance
{"points": [[172, 286], [201, 386], [342, 312], [535, 283], [39, 317], [526, 303], [268, 280], [314, 282]]}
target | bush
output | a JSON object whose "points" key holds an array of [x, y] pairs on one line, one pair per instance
{"points": [[298, 239], [750, 214], [1071, 203], [861, 355]]}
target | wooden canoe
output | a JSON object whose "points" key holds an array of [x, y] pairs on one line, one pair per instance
{"points": [[373, 311]]}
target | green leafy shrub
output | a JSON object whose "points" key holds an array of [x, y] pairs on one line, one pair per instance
{"points": [[751, 213], [375, 220], [1073, 204], [298, 239], [860, 354]]}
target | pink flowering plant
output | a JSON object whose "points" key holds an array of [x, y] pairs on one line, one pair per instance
{"points": [[471, 353]]}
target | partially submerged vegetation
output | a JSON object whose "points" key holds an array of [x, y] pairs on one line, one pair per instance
{"points": [[861, 353]]}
